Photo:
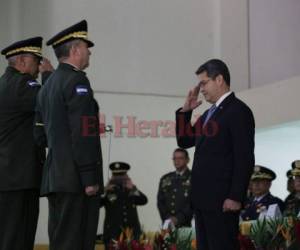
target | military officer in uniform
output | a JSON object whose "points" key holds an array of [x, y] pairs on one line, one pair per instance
{"points": [[173, 198], [290, 180], [120, 200], [290, 183], [20, 158], [261, 180], [292, 202], [72, 175]]}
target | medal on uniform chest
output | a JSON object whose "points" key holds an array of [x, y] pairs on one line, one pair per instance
{"points": [[260, 208], [166, 182], [186, 193], [111, 197], [185, 183]]}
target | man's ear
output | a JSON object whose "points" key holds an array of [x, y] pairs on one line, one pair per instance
{"points": [[219, 79], [73, 50]]}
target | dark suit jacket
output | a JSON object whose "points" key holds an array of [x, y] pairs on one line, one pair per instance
{"points": [[224, 153], [64, 105]]}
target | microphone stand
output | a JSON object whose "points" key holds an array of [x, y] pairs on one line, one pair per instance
{"points": [[109, 129]]}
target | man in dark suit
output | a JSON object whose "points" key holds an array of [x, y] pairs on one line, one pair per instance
{"points": [[72, 175], [20, 158], [261, 181], [223, 138], [174, 193]]}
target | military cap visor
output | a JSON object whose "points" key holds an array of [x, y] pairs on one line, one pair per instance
{"points": [[28, 46], [263, 173], [76, 31], [119, 167]]}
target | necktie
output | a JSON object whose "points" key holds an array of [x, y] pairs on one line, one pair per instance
{"points": [[210, 113]]}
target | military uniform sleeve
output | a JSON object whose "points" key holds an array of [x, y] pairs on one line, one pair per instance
{"points": [[185, 132], [85, 138], [39, 128], [45, 76], [138, 197], [27, 91], [161, 203]]}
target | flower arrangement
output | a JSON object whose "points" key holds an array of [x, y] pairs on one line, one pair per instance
{"points": [[272, 234], [163, 240], [126, 241], [266, 234], [175, 240]]}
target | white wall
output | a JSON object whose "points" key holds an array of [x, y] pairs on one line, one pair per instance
{"points": [[274, 40], [274, 104], [147, 46], [6, 30]]}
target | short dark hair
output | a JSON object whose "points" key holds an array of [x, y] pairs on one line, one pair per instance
{"points": [[63, 51], [182, 150], [213, 68]]}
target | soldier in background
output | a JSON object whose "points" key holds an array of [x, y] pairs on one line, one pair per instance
{"points": [[261, 181], [173, 198], [292, 202], [120, 200], [290, 185], [21, 159], [290, 180]]}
